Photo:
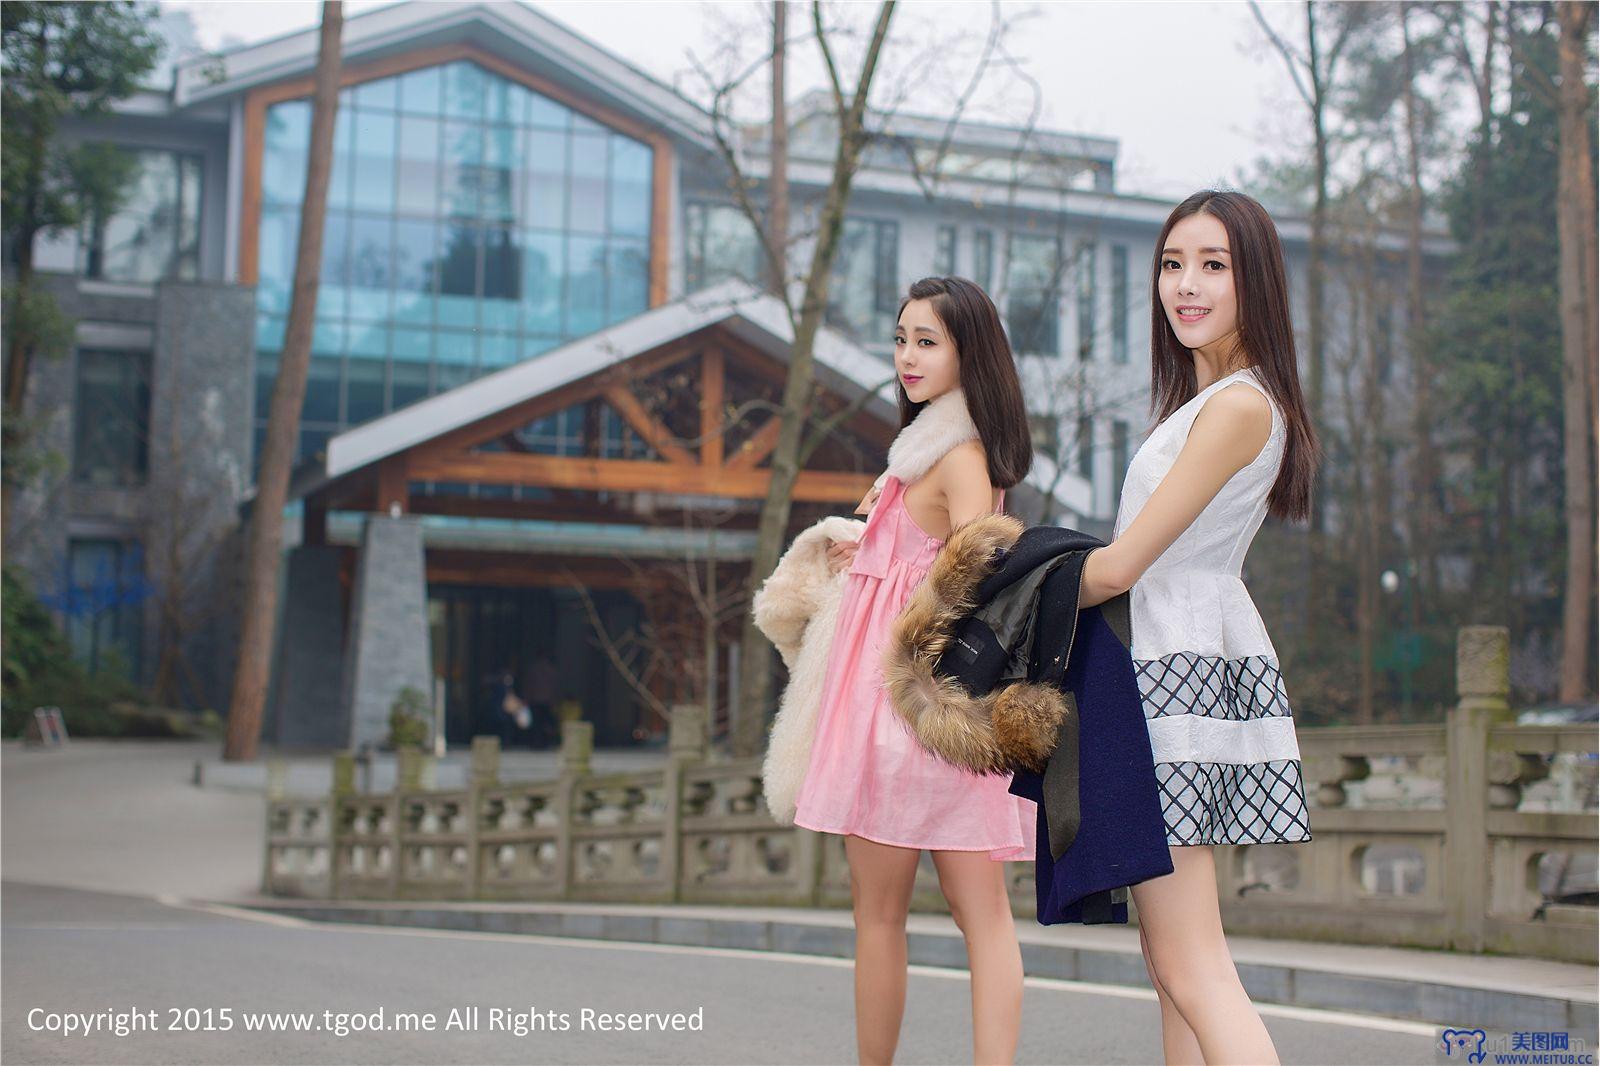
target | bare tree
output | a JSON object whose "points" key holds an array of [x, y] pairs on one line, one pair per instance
{"points": [[288, 395], [1575, 214], [849, 112], [651, 655], [1314, 71], [778, 168], [1423, 512]]}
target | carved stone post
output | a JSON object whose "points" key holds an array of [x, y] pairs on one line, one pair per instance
{"points": [[414, 769], [1483, 681], [483, 773], [486, 761], [686, 744], [577, 745], [344, 773], [686, 733], [344, 786]]}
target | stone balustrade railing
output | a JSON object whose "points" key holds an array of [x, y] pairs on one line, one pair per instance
{"points": [[1462, 870]]}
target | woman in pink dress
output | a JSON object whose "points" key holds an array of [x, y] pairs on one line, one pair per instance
{"points": [[963, 440]]}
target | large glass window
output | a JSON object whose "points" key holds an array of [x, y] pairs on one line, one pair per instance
{"points": [[1033, 282], [155, 233], [865, 288], [719, 243], [472, 224], [983, 258], [111, 418], [102, 602], [1087, 296], [1119, 303], [1046, 433], [1086, 449], [944, 254]]}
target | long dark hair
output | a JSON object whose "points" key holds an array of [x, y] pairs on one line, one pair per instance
{"points": [[1265, 333], [988, 374]]}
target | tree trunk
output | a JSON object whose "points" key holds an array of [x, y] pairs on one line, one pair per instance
{"points": [[1426, 460], [1575, 213], [755, 664], [1316, 598], [1366, 436], [19, 345], [778, 167], [19, 351], [288, 395]]}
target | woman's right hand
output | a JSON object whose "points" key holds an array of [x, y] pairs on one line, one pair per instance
{"points": [[840, 552], [865, 506]]}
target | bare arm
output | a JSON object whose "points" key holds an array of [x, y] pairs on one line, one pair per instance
{"points": [[964, 483], [1228, 433]]}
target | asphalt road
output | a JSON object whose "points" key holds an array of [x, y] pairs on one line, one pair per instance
{"points": [[75, 954]]}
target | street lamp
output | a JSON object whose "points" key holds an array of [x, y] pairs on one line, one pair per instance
{"points": [[1404, 648]]}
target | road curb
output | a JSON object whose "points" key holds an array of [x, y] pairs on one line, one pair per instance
{"points": [[1439, 1003]]}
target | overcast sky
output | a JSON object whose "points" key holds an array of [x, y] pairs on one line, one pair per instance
{"points": [[1190, 89]]}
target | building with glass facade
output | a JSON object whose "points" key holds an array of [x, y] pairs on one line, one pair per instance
{"points": [[513, 353]]}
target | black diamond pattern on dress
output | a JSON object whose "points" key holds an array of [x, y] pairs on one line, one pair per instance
{"points": [[1233, 803], [1236, 690]]}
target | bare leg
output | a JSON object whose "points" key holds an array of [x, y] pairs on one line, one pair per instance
{"points": [[1182, 926], [975, 887], [881, 876], [1178, 1044]]}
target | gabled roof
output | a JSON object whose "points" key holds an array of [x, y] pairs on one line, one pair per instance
{"points": [[509, 28], [756, 317], [966, 133]]}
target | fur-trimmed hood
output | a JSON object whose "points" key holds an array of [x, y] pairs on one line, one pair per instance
{"points": [[966, 666]]}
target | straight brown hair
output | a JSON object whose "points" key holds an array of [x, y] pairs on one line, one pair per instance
{"points": [[1265, 332], [988, 374]]}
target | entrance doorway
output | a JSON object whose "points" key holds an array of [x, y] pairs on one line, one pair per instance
{"points": [[543, 638]]}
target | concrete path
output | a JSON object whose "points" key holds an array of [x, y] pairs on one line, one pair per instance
{"points": [[128, 817]]}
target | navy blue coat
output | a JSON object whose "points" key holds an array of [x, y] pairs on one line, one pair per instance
{"points": [[995, 669], [1122, 837]]}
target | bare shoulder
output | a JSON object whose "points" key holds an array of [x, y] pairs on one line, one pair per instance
{"points": [[1243, 407], [965, 463], [1234, 423]]}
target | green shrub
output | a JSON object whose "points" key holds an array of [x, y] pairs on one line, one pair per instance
{"points": [[37, 669], [410, 719]]}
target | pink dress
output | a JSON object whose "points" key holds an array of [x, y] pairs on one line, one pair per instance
{"points": [[868, 776]]}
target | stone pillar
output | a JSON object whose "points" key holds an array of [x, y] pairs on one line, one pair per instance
{"points": [[344, 773], [386, 646], [577, 745], [308, 709], [1483, 681], [483, 773], [412, 770], [485, 761], [686, 744], [686, 732]]}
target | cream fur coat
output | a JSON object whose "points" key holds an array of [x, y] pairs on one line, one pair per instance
{"points": [[797, 607]]}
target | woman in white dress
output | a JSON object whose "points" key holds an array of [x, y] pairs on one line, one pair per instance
{"points": [[1233, 443]]}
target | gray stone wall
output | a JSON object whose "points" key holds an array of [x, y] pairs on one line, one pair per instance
{"points": [[386, 644], [305, 708], [201, 338]]}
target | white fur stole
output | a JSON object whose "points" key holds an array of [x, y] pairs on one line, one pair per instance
{"points": [[941, 425]]}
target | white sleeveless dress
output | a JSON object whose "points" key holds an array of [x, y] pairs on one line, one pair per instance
{"points": [[1221, 730]]}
